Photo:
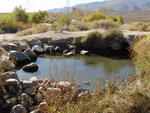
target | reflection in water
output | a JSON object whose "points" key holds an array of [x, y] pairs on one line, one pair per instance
{"points": [[86, 69]]}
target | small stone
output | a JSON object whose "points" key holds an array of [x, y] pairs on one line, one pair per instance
{"points": [[64, 84], [18, 109], [83, 52], [38, 49], [30, 91], [12, 82], [43, 106], [32, 67], [38, 97], [27, 99], [71, 47], [31, 54]]}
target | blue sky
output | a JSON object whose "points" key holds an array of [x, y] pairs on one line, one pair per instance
{"points": [[35, 5]]}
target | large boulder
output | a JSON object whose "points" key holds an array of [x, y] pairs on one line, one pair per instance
{"points": [[19, 57], [49, 49], [18, 109], [23, 45], [38, 49], [10, 46], [31, 54], [35, 42], [31, 67]]}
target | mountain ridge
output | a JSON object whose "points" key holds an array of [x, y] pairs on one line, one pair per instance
{"points": [[111, 5]]}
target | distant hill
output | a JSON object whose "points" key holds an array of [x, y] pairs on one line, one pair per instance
{"points": [[111, 5]]}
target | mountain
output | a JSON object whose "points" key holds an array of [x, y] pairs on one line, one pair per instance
{"points": [[111, 5]]}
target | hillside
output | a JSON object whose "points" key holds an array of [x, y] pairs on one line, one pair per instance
{"points": [[112, 5]]}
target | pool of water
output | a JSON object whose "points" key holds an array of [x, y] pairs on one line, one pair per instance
{"points": [[85, 70]]}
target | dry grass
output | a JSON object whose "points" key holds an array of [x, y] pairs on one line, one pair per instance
{"points": [[140, 26], [40, 28]]}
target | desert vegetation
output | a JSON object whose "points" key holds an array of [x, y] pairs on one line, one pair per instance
{"points": [[140, 26]]}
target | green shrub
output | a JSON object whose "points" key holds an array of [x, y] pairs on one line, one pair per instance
{"points": [[120, 20], [21, 15], [80, 25], [92, 17], [9, 24], [39, 17], [139, 26], [40, 28], [92, 40], [104, 24], [112, 38], [62, 22], [141, 55]]}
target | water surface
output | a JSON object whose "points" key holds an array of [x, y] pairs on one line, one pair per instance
{"points": [[86, 70]]}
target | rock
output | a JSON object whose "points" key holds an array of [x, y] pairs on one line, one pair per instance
{"points": [[43, 106], [23, 45], [6, 64], [18, 109], [7, 75], [82, 94], [26, 100], [35, 42], [12, 82], [58, 49], [83, 52], [38, 97], [27, 84], [64, 84], [49, 49], [38, 49], [69, 54], [31, 67], [10, 47], [65, 51], [13, 89], [31, 54], [18, 57], [71, 47], [30, 91]]}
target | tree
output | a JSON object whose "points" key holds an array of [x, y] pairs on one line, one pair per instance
{"points": [[21, 15]]}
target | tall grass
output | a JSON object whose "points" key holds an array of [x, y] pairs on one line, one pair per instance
{"points": [[141, 54]]}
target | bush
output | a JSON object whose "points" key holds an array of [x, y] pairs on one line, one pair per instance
{"points": [[62, 22], [139, 26], [104, 24], [39, 17], [141, 55], [110, 39], [9, 24], [80, 25], [92, 40], [92, 17], [120, 20], [40, 28], [21, 15]]}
